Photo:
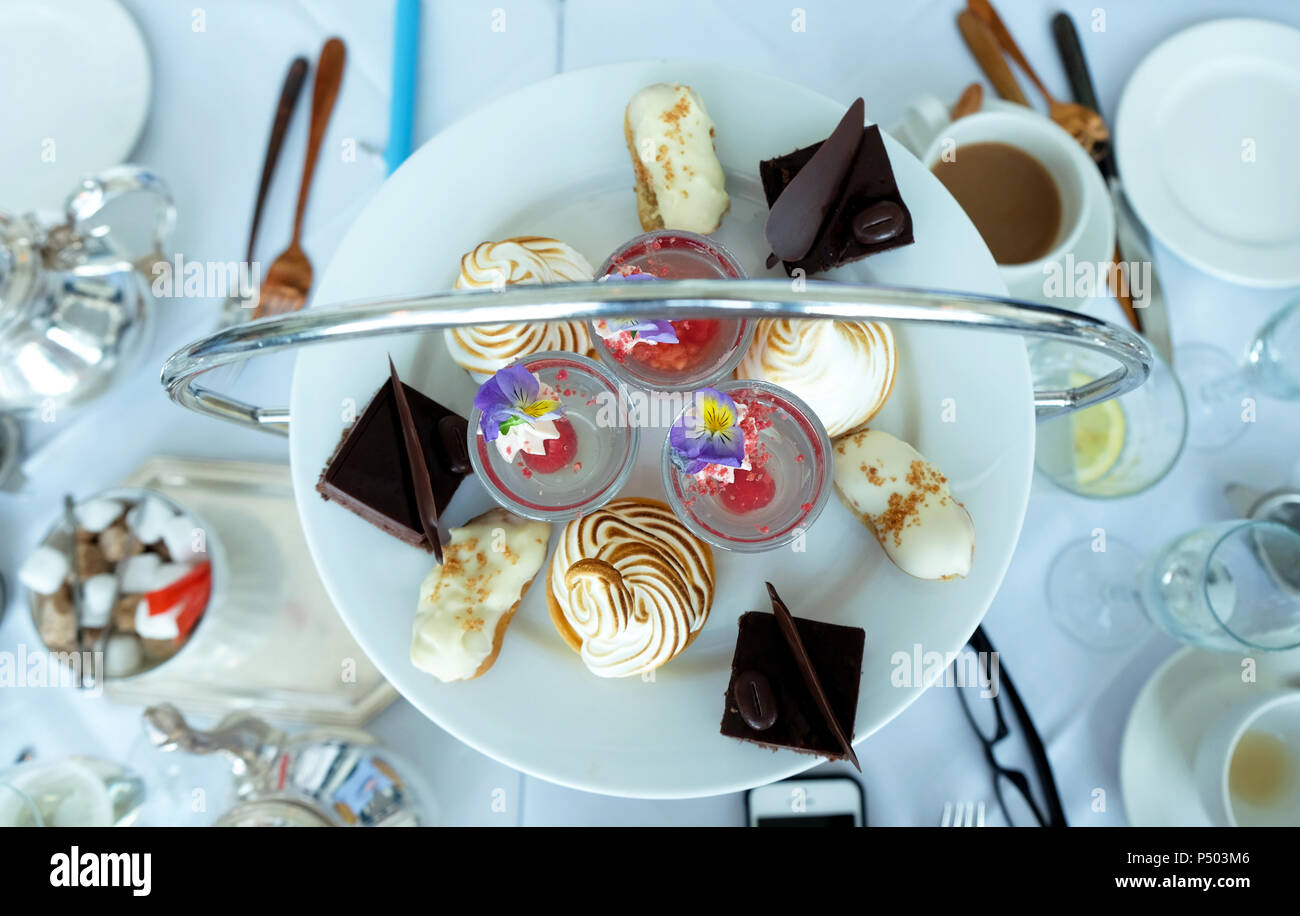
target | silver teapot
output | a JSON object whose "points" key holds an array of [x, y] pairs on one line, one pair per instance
{"points": [[75, 306], [329, 776]]}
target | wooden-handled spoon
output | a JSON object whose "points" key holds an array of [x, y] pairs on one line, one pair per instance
{"points": [[1085, 125], [289, 279], [984, 45], [969, 102]]}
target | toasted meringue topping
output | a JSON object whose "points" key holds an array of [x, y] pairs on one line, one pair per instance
{"points": [[633, 584], [521, 260], [905, 501], [844, 370]]}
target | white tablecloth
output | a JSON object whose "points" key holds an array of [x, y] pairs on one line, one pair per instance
{"points": [[214, 92]]}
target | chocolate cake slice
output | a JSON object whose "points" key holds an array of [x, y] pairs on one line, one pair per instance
{"points": [[370, 474], [771, 701], [868, 214]]}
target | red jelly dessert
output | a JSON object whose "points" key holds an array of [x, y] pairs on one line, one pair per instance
{"points": [[694, 339], [706, 348], [672, 255], [559, 452], [749, 491]]}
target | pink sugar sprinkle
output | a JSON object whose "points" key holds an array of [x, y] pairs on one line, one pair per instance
{"points": [[798, 457], [527, 472], [763, 529], [561, 374], [806, 507], [577, 466]]}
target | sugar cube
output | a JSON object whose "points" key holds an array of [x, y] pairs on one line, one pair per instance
{"points": [[44, 571]]}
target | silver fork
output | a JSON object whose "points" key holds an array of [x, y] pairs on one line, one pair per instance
{"points": [[962, 814]]}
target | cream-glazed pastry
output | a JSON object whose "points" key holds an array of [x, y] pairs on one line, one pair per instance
{"points": [[522, 260], [844, 370], [466, 603], [629, 587], [905, 501], [679, 181]]}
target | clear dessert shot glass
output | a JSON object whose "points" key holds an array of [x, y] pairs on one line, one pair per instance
{"points": [[706, 349], [779, 496], [582, 469]]}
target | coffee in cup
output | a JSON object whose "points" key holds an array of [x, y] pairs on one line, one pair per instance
{"points": [[1008, 194], [1248, 763]]}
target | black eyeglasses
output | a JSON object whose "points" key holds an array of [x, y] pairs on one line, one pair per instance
{"points": [[984, 710]]}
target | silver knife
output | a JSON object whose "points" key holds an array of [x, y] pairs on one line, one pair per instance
{"points": [[1144, 284], [1134, 247]]}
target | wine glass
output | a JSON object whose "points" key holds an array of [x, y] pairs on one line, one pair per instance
{"points": [[1114, 449], [1216, 384], [1231, 586]]}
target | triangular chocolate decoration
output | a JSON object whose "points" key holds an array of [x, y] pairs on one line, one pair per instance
{"points": [[420, 481], [785, 620]]}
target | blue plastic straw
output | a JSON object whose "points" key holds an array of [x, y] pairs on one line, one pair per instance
{"points": [[406, 63]]}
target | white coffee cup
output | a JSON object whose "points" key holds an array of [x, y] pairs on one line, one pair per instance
{"points": [[929, 132], [1273, 714]]}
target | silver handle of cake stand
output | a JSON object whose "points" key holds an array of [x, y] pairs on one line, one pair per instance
{"points": [[767, 298]]}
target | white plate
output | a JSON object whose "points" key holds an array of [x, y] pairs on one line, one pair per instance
{"points": [[1173, 710], [74, 92], [551, 160], [1205, 140]]}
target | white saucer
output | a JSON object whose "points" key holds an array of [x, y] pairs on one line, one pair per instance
{"points": [[1205, 140], [74, 91], [1171, 714]]}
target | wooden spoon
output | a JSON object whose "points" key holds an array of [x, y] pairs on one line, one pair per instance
{"points": [[1082, 123], [984, 46], [969, 102]]}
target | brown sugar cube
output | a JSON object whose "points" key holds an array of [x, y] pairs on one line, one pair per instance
{"points": [[58, 623], [116, 543], [124, 613], [90, 561], [159, 650]]}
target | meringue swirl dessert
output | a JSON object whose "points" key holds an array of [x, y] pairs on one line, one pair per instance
{"points": [[844, 370], [629, 587], [679, 181], [525, 259], [906, 503], [467, 602]]}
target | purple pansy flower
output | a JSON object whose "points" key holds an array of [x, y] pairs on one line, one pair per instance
{"points": [[512, 397], [649, 331], [708, 432]]}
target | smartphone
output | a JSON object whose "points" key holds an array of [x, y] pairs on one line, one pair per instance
{"points": [[809, 801]]}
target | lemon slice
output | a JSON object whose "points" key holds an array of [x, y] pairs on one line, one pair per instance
{"points": [[1098, 435]]}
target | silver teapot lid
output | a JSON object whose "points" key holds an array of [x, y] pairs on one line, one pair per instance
{"points": [[332, 776]]}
